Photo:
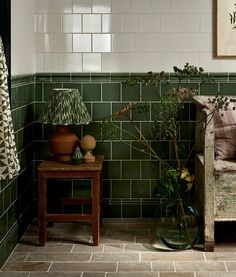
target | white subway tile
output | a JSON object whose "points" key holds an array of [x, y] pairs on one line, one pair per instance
{"points": [[121, 6], [101, 6], [141, 6], [62, 42], [71, 23], [139, 62], [151, 23], [111, 23], [42, 43], [71, 62], [130, 62], [206, 23], [151, 42], [112, 62], [157, 62], [38, 57], [200, 6], [181, 6], [39, 23], [131, 23], [23, 63], [141, 43], [101, 42], [161, 6], [92, 23], [82, 6], [22, 41], [42, 6], [208, 63], [191, 58], [170, 22], [160, 42], [62, 6], [92, 62], [122, 42], [227, 65], [52, 62], [82, 43], [190, 22], [180, 42], [200, 42], [48, 23]]}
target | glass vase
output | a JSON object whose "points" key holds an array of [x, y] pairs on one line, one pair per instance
{"points": [[178, 223]]}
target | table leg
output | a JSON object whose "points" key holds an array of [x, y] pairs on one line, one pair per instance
{"points": [[42, 208], [96, 208]]}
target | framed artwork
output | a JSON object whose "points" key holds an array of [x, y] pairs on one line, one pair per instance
{"points": [[225, 28]]}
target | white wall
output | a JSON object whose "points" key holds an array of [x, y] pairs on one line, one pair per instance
{"points": [[22, 37], [119, 35]]}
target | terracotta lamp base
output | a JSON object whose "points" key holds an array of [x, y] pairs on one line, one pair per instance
{"points": [[88, 143], [62, 144]]}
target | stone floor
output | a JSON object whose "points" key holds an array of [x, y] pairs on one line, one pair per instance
{"points": [[126, 249]]}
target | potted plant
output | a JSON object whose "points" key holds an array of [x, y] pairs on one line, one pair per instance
{"points": [[178, 216]]}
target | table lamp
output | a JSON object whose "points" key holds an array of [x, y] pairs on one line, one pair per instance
{"points": [[63, 109]]}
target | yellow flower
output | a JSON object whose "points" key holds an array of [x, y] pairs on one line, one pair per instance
{"points": [[184, 173]]}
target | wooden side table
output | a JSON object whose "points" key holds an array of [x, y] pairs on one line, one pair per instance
{"points": [[52, 170]]}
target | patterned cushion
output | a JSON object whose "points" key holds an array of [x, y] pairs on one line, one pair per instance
{"points": [[225, 133]]}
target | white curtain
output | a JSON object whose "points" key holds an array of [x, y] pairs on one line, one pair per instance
{"points": [[9, 163]]}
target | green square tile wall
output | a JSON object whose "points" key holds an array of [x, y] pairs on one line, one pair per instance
{"points": [[16, 196], [129, 176]]}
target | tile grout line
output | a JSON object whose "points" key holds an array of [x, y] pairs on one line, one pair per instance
{"points": [[226, 268], [174, 263], [49, 267]]}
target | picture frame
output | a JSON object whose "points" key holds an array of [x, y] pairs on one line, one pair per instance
{"points": [[225, 28]]}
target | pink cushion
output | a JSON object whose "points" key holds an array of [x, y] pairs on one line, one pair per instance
{"points": [[225, 133]]}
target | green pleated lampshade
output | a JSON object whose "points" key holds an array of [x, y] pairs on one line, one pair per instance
{"points": [[65, 107]]}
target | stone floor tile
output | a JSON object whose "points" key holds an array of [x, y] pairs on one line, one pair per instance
{"points": [[94, 274], [176, 274], [163, 266], [133, 274], [59, 257], [119, 240], [200, 266], [172, 256], [26, 266], [114, 247], [115, 257], [55, 274], [77, 240], [215, 274], [120, 233], [87, 248], [231, 266], [139, 247], [85, 266], [34, 240], [18, 256], [134, 266], [220, 256], [13, 274], [47, 248]]}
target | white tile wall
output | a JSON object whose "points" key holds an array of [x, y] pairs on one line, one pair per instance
{"points": [[113, 35]]}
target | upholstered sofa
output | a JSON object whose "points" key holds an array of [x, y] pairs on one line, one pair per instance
{"points": [[215, 178]]}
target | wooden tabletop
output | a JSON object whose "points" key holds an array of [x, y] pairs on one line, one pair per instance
{"points": [[48, 165]]}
